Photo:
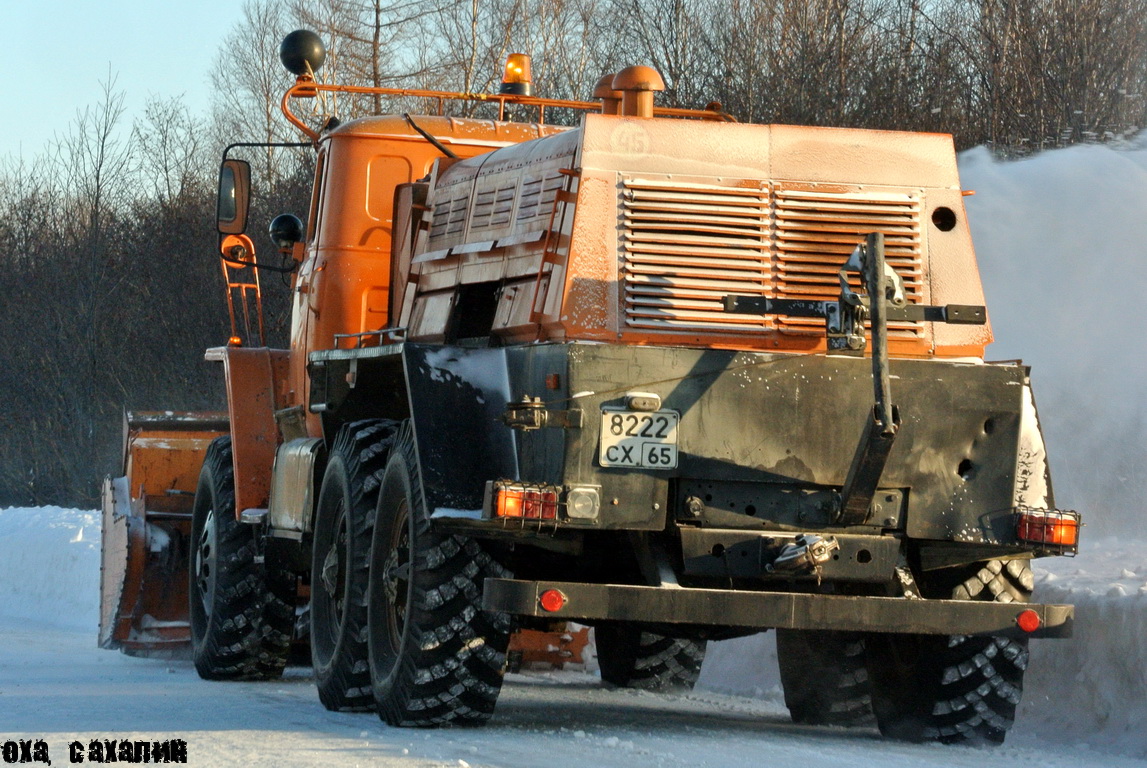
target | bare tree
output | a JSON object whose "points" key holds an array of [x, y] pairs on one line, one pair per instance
{"points": [[1057, 72], [171, 149], [249, 83], [369, 43]]}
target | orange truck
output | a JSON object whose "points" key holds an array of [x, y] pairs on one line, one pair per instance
{"points": [[662, 373]]}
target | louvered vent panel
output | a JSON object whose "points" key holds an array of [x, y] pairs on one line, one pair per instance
{"points": [[537, 197], [448, 222], [687, 246], [492, 208], [815, 233]]}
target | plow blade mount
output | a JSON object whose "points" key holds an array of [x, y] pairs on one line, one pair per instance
{"points": [[146, 531]]}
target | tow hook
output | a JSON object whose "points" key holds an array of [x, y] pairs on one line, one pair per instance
{"points": [[806, 554]]}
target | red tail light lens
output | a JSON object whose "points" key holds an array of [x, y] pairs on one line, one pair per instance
{"points": [[1028, 620], [552, 600]]}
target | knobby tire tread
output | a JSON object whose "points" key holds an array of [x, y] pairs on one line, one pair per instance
{"points": [[361, 449], [452, 655], [630, 657], [824, 677], [248, 634], [957, 688]]}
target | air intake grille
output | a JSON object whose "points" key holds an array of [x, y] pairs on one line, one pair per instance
{"points": [[685, 246], [815, 233]]}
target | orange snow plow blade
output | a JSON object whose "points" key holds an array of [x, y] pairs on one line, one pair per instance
{"points": [[146, 527]]}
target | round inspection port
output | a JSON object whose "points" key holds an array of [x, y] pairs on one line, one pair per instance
{"points": [[944, 218], [863, 556]]}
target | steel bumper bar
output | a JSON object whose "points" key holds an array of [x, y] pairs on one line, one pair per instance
{"points": [[763, 610]]}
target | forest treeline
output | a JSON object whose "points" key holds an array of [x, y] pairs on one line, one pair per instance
{"points": [[107, 237]]}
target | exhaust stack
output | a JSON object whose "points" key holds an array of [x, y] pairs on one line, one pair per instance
{"points": [[637, 86]]}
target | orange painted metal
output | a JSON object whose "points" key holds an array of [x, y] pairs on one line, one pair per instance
{"points": [[632, 230], [243, 288], [256, 379], [146, 525], [549, 649], [343, 284]]}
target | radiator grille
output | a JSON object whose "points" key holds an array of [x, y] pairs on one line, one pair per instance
{"points": [[685, 246]]}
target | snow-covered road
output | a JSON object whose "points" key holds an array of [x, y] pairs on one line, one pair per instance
{"points": [[1085, 705], [56, 686]]}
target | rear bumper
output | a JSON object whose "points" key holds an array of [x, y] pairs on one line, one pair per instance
{"points": [[763, 610]]}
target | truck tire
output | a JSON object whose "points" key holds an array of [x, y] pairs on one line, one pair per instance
{"points": [[241, 613], [435, 656], [824, 677], [630, 657], [340, 563], [953, 688]]}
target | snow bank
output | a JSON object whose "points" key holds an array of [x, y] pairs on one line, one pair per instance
{"points": [[50, 566], [1062, 244], [1092, 689]]}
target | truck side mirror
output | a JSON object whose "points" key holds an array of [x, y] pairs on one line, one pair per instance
{"points": [[234, 197]]}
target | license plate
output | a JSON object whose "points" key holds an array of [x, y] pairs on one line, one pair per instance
{"points": [[639, 439]]}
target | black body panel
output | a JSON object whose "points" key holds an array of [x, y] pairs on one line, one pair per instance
{"points": [[764, 440]]}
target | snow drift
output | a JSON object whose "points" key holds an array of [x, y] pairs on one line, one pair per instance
{"points": [[1062, 244], [50, 566]]}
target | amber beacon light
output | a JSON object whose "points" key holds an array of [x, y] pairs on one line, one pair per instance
{"points": [[516, 79], [1058, 529]]}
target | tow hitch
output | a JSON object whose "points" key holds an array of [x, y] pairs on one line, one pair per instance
{"points": [[883, 299]]}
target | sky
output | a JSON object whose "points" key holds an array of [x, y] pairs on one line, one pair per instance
{"points": [[63, 50]]}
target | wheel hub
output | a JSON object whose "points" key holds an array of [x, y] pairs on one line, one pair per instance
{"points": [[391, 577], [397, 573], [331, 571], [206, 560], [333, 575]]}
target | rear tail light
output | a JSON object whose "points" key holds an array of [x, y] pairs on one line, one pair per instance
{"points": [[1028, 620], [1054, 528], [523, 501], [552, 600]]}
